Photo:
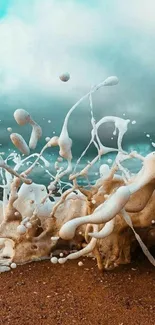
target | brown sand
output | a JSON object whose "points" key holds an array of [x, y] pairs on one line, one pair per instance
{"points": [[41, 293]]}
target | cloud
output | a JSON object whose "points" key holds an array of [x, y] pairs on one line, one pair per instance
{"points": [[137, 15], [89, 39], [36, 50]]}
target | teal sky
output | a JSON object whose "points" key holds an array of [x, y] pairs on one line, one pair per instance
{"points": [[4, 6], [40, 39]]}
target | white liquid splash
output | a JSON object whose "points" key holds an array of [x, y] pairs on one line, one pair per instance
{"points": [[28, 205]]}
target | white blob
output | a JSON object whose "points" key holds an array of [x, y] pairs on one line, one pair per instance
{"points": [[109, 161], [56, 165], [53, 141], [28, 225], [54, 238], [153, 144], [104, 170], [4, 268], [16, 213], [13, 265], [21, 229], [64, 77], [80, 263], [25, 220], [60, 159], [54, 260], [35, 135], [21, 116], [62, 260], [61, 254], [9, 129], [148, 135], [47, 139], [133, 122], [111, 81], [20, 143], [29, 194]]}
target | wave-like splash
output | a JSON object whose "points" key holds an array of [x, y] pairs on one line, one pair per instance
{"points": [[34, 220]]}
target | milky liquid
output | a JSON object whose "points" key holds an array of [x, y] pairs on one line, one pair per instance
{"points": [[30, 201]]}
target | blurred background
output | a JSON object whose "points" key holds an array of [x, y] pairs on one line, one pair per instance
{"points": [[93, 39]]}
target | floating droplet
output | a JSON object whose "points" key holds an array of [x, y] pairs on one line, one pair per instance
{"points": [[20, 143], [21, 229], [9, 129], [54, 260], [21, 116], [109, 161], [13, 265], [60, 159], [28, 225], [64, 77]]}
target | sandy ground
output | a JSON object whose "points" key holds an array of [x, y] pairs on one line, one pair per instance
{"points": [[41, 293]]}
